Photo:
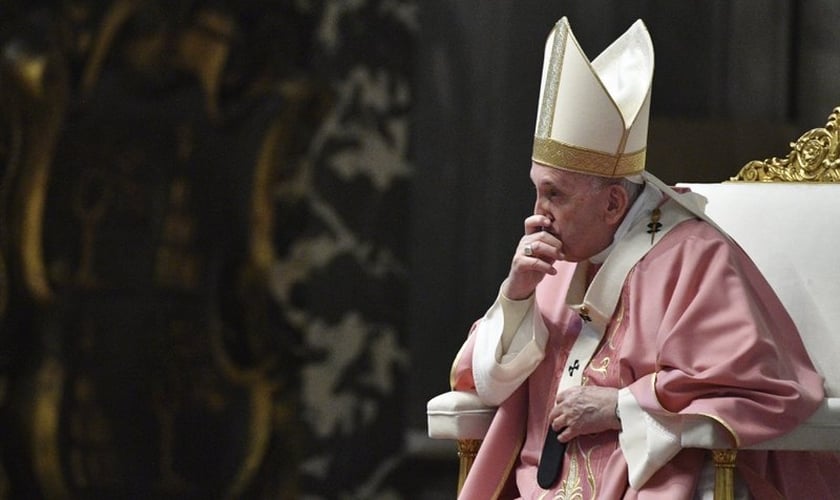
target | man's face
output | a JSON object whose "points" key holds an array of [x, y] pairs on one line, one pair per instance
{"points": [[577, 207]]}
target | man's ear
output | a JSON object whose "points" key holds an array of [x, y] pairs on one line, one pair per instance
{"points": [[618, 203]]}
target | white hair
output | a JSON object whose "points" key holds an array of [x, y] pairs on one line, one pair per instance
{"points": [[632, 186]]}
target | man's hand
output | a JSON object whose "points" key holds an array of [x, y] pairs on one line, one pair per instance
{"points": [[584, 410], [535, 256]]}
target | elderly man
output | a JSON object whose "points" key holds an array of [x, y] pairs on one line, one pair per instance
{"points": [[629, 328]]}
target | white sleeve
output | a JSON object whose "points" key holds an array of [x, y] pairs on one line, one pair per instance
{"points": [[509, 345], [649, 441]]}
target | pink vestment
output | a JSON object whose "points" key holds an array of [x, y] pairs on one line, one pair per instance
{"points": [[697, 331]]}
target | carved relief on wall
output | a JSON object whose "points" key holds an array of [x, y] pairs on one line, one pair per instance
{"points": [[141, 349]]}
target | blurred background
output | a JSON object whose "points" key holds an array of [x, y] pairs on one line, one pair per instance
{"points": [[242, 241]]}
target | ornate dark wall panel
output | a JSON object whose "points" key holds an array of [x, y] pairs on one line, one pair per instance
{"points": [[203, 229], [343, 282]]}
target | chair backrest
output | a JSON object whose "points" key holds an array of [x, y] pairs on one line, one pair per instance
{"points": [[789, 223], [792, 232]]}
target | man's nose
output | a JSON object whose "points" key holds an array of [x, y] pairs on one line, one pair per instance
{"points": [[541, 207]]}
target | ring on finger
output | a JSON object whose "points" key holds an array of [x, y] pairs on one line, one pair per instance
{"points": [[528, 250]]}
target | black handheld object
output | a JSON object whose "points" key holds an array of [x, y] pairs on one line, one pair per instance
{"points": [[551, 460]]}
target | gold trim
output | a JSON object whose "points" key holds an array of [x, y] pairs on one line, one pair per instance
{"points": [[724, 473], [46, 412], [552, 79], [506, 476], [732, 433], [467, 450], [37, 109], [228, 367], [607, 344], [558, 55], [814, 157], [113, 20], [4, 284], [258, 439], [567, 157], [572, 485], [37, 99], [274, 155], [204, 50], [619, 318]]}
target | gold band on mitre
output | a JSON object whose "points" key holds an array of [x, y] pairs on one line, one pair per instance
{"points": [[567, 157]]}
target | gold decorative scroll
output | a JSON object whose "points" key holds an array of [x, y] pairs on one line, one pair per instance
{"points": [[813, 158]]}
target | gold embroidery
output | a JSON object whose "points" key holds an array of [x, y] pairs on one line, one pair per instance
{"points": [[619, 316], [570, 487], [580, 461], [590, 474], [601, 366], [568, 157]]}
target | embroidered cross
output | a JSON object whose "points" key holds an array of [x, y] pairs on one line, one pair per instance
{"points": [[584, 314], [574, 366], [654, 226]]}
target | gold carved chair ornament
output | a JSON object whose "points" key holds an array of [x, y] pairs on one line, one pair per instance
{"points": [[785, 213]]}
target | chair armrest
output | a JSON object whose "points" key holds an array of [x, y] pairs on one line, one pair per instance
{"points": [[820, 432], [458, 415]]}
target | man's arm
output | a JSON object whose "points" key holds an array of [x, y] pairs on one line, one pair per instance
{"points": [[509, 344]]}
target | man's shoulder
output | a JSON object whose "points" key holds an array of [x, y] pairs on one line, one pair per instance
{"points": [[698, 228], [692, 233]]}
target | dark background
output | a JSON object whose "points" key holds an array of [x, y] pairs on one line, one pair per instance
{"points": [[377, 152]]}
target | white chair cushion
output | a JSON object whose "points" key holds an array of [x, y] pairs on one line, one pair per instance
{"points": [[458, 415]]}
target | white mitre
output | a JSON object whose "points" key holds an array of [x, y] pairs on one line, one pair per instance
{"points": [[593, 117]]}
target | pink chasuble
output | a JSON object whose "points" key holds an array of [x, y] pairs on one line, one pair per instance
{"points": [[697, 331]]}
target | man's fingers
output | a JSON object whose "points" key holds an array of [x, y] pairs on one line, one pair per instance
{"points": [[536, 223]]}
